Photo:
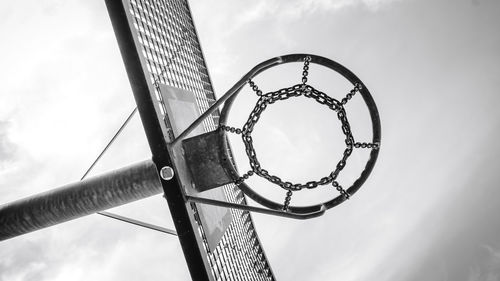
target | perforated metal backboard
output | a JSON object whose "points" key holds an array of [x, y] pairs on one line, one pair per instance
{"points": [[171, 85]]}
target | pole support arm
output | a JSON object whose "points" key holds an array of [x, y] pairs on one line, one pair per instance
{"points": [[71, 201]]}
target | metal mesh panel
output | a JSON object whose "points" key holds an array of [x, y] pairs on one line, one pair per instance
{"points": [[172, 54]]}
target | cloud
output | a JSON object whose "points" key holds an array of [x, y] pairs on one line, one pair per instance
{"points": [[293, 10], [493, 252], [20, 265], [487, 266], [7, 147]]}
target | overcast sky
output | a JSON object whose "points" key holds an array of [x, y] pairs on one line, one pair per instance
{"points": [[429, 211]]}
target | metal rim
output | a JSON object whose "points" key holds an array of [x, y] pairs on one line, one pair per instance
{"points": [[376, 130]]}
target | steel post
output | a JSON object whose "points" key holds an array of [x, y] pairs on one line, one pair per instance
{"points": [[78, 199]]}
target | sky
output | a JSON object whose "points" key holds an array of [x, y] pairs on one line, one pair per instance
{"points": [[427, 212]]}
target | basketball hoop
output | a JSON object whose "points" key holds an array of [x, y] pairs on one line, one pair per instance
{"points": [[209, 154]]}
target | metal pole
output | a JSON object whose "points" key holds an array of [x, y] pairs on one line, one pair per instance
{"points": [[78, 199]]}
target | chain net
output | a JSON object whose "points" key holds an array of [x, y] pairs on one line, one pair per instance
{"points": [[303, 89]]}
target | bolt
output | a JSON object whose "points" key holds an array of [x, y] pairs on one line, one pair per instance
{"points": [[166, 173]]}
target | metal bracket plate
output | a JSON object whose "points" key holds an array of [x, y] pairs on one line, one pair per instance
{"points": [[204, 161]]}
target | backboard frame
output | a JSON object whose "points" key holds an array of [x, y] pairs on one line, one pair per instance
{"points": [[156, 134], [247, 260]]}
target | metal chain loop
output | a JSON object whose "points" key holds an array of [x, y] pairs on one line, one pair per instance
{"points": [[283, 94]]}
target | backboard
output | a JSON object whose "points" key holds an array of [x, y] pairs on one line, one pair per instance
{"points": [[171, 85]]}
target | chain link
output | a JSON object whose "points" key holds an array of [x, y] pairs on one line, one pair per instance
{"points": [[322, 98], [288, 198], [230, 129], [254, 87], [346, 129], [305, 69], [357, 88], [297, 90], [244, 177], [255, 115], [366, 145], [341, 189]]}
